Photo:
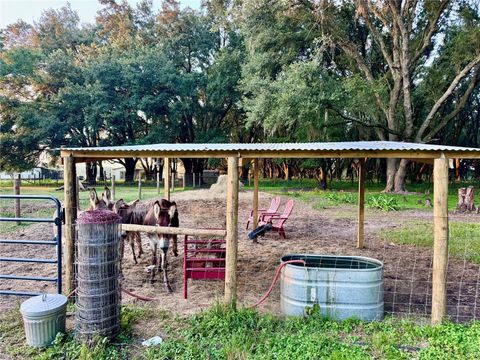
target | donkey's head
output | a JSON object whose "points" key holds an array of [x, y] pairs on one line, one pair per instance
{"points": [[95, 202], [125, 210], [165, 213]]}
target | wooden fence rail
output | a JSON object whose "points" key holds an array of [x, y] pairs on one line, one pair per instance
{"points": [[173, 230]]}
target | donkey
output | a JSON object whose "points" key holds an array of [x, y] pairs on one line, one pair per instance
{"points": [[162, 213], [129, 216]]}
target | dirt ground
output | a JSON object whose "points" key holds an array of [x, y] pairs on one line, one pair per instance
{"points": [[407, 269]]}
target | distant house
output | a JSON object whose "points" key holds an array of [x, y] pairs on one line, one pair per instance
{"points": [[39, 172]]}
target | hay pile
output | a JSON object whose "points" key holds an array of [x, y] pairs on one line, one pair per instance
{"points": [[220, 187]]}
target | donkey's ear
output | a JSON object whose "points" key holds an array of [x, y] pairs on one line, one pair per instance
{"points": [[93, 197], [106, 194], [156, 210], [118, 204], [133, 203]]}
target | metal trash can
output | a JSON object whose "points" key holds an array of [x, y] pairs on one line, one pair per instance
{"points": [[44, 317]]}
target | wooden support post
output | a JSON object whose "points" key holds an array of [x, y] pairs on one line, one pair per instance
{"points": [[173, 181], [78, 192], [440, 244], [166, 177], [70, 205], [139, 185], [113, 188], [193, 181], [183, 181], [232, 233], [361, 204], [158, 182], [16, 191], [255, 193]]}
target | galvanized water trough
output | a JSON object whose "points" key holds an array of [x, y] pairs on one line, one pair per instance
{"points": [[340, 287]]}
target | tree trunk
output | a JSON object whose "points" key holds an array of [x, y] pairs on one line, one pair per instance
{"points": [[91, 172], [400, 176], [391, 170], [101, 176], [322, 179], [244, 175], [129, 169]]}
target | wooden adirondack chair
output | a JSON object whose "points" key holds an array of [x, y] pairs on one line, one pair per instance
{"points": [[278, 220], [272, 210]]}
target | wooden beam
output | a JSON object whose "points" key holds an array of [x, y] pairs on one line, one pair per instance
{"points": [[70, 205], [232, 233], [440, 244], [361, 204], [255, 193], [173, 230], [166, 179]]}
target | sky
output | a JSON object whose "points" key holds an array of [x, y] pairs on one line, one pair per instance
{"points": [[30, 10]]}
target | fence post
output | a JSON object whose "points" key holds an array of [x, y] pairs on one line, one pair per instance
{"points": [[193, 179], [16, 191], [158, 182], [232, 233], [173, 181], [440, 243], [139, 185], [361, 204], [183, 181], [78, 192], [166, 177], [70, 189], [255, 193], [113, 188]]}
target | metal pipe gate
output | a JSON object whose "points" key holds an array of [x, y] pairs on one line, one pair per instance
{"points": [[57, 241]]}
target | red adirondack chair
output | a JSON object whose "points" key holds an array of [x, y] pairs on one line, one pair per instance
{"points": [[278, 220], [203, 263], [272, 210]]}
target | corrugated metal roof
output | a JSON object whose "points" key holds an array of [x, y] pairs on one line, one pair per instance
{"points": [[314, 146]]}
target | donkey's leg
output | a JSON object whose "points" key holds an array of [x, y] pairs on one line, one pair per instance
{"points": [[164, 269], [154, 262], [138, 240], [175, 245], [122, 245], [164, 244], [131, 242]]}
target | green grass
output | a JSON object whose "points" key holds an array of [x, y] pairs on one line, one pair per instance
{"points": [[463, 239], [12, 339], [345, 193], [219, 333]]}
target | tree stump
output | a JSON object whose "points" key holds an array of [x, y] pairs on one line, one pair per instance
{"points": [[466, 199], [469, 199]]}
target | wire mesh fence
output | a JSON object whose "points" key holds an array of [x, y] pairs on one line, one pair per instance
{"points": [[98, 275]]}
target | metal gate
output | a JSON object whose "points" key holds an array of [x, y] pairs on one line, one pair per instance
{"points": [[57, 241]]}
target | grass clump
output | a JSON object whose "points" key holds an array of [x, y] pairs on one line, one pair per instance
{"points": [[461, 239]]}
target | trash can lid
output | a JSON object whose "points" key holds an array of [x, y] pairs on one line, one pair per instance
{"points": [[43, 304]]}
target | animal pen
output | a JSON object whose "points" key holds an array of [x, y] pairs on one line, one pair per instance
{"points": [[437, 155]]}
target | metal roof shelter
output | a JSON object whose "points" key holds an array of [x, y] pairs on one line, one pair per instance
{"points": [[438, 155], [372, 149]]}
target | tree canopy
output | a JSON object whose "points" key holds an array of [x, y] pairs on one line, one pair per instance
{"points": [[242, 71]]}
